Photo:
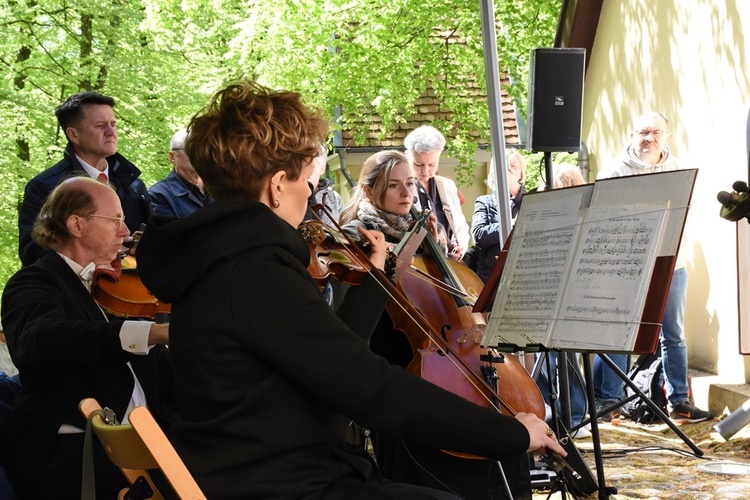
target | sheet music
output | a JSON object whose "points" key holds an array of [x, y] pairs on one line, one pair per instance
{"points": [[539, 255], [609, 279], [580, 262], [666, 186]]}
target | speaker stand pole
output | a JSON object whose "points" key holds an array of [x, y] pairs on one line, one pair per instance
{"points": [[549, 176]]}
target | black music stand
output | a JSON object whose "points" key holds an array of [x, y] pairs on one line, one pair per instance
{"points": [[563, 482]]}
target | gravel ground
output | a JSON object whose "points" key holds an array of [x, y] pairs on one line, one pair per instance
{"points": [[649, 462]]}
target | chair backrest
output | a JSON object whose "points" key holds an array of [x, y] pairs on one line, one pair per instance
{"points": [[141, 445]]}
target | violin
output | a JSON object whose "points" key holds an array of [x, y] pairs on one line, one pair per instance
{"points": [[735, 205], [128, 297], [121, 292]]}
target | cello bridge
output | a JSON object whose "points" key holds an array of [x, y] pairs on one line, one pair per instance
{"points": [[475, 334]]}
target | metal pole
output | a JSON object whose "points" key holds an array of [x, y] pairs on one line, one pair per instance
{"points": [[497, 136]]}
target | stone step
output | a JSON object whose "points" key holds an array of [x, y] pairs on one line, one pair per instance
{"points": [[710, 392]]}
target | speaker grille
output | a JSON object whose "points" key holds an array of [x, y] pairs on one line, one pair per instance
{"points": [[555, 99]]}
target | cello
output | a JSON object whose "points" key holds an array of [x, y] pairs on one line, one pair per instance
{"points": [[433, 351], [448, 310]]}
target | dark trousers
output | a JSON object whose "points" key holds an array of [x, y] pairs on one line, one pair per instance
{"points": [[470, 478], [59, 474]]}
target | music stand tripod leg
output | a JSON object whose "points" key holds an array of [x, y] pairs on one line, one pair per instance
{"points": [[588, 375], [665, 418], [563, 359], [559, 483]]}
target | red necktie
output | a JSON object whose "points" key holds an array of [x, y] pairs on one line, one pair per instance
{"points": [[102, 178]]}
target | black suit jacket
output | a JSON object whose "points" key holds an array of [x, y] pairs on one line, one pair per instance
{"points": [[123, 176], [65, 351]]}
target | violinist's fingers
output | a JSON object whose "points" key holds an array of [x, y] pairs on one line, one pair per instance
{"points": [[541, 437], [378, 246]]}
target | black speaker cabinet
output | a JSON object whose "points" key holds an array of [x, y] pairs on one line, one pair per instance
{"points": [[555, 99]]}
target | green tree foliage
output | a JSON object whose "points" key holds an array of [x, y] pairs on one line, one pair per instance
{"points": [[162, 59]]}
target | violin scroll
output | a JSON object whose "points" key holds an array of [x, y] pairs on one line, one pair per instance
{"points": [[330, 256], [735, 205]]}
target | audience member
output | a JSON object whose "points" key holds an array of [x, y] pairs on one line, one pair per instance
{"points": [[424, 145], [88, 121], [568, 175], [485, 222], [66, 349], [323, 192], [181, 192], [268, 377], [647, 153]]}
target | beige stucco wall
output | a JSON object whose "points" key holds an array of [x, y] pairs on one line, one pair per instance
{"points": [[689, 60]]}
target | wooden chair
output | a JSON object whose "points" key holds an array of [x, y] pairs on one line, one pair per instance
{"points": [[139, 446]]}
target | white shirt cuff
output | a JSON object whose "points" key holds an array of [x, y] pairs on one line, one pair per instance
{"points": [[134, 336]]}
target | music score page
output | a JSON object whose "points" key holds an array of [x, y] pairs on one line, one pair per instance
{"points": [[576, 277]]}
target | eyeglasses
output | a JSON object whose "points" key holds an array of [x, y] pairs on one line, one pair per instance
{"points": [[653, 133], [119, 221], [178, 149]]}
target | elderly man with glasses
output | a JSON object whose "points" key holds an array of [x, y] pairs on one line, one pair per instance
{"points": [[649, 153], [66, 349], [181, 192]]}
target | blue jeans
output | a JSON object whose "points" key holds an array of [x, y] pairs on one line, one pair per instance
{"points": [[607, 384], [578, 405], [672, 339]]}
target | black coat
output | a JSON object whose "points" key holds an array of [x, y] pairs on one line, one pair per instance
{"points": [[485, 229], [65, 351], [123, 176], [269, 378]]}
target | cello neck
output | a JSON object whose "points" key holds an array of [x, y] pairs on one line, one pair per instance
{"points": [[441, 260]]}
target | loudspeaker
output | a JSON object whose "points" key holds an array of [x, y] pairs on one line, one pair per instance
{"points": [[555, 99]]}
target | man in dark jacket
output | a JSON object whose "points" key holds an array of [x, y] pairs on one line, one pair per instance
{"points": [[88, 120], [181, 192]]}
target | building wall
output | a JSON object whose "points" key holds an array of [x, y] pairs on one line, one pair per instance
{"points": [[689, 60]]}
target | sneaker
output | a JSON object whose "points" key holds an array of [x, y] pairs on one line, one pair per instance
{"points": [[685, 413], [582, 433], [612, 416]]}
